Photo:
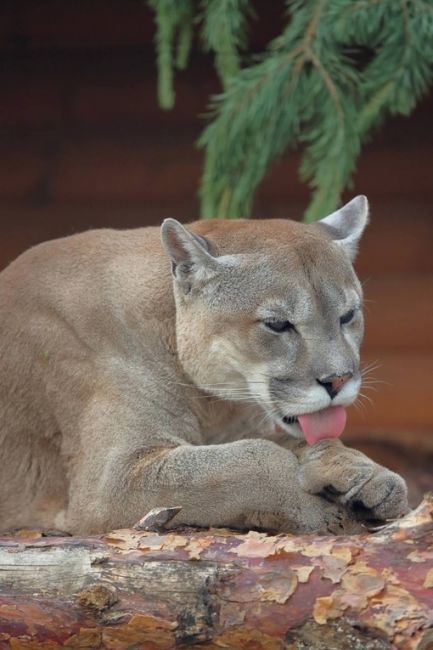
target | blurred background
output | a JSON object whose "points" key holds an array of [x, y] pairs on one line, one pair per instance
{"points": [[84, 145]]}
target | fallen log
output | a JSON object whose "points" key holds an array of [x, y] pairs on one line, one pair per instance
{"points": [[220, 589]]}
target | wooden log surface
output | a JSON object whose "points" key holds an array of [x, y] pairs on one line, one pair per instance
{"points": [[221, 589]]}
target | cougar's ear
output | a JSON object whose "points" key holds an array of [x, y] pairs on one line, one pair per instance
{"points": [[191, 262], [347, 224]]}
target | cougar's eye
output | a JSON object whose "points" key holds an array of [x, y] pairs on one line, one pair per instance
{"points": [[347, 317], [279, 325]]}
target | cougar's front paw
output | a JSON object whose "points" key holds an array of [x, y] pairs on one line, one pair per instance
{"points": [[348, 476], [384, 496], [323, 517]]}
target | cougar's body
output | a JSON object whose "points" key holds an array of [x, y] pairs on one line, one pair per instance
{"points": [[130, 380]]}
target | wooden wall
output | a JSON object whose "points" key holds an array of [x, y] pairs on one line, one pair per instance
{"points": [[83, 144]]}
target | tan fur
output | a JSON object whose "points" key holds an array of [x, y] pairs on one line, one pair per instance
{"points": [[119, 386]]}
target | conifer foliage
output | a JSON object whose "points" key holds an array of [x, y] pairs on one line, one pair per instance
{"points": [[336, 71]]}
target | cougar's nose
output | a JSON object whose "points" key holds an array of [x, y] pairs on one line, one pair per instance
{"points": [[334, 383]]}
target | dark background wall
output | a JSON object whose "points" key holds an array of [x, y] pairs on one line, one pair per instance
{"points": [[83, 144]]}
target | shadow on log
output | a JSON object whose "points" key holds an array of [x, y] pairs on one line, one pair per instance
{"points": [[220, 589]]}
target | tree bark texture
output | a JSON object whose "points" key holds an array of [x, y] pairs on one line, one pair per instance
{"points": [[219, 589]]}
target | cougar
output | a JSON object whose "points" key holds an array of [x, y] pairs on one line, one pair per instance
{"points": [[206, 367]]}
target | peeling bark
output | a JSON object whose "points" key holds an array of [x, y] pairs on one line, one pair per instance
{"points": [[220, 589]]}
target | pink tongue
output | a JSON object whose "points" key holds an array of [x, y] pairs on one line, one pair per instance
{"points": [[328, 423]]}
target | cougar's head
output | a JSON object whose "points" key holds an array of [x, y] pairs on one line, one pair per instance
{"points": [[271, 311]]}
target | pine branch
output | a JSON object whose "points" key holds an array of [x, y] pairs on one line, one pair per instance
{"points": [[336, 72], [224, 32], [264, 111], [185, 38], [332, 105], [171, 16]]}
